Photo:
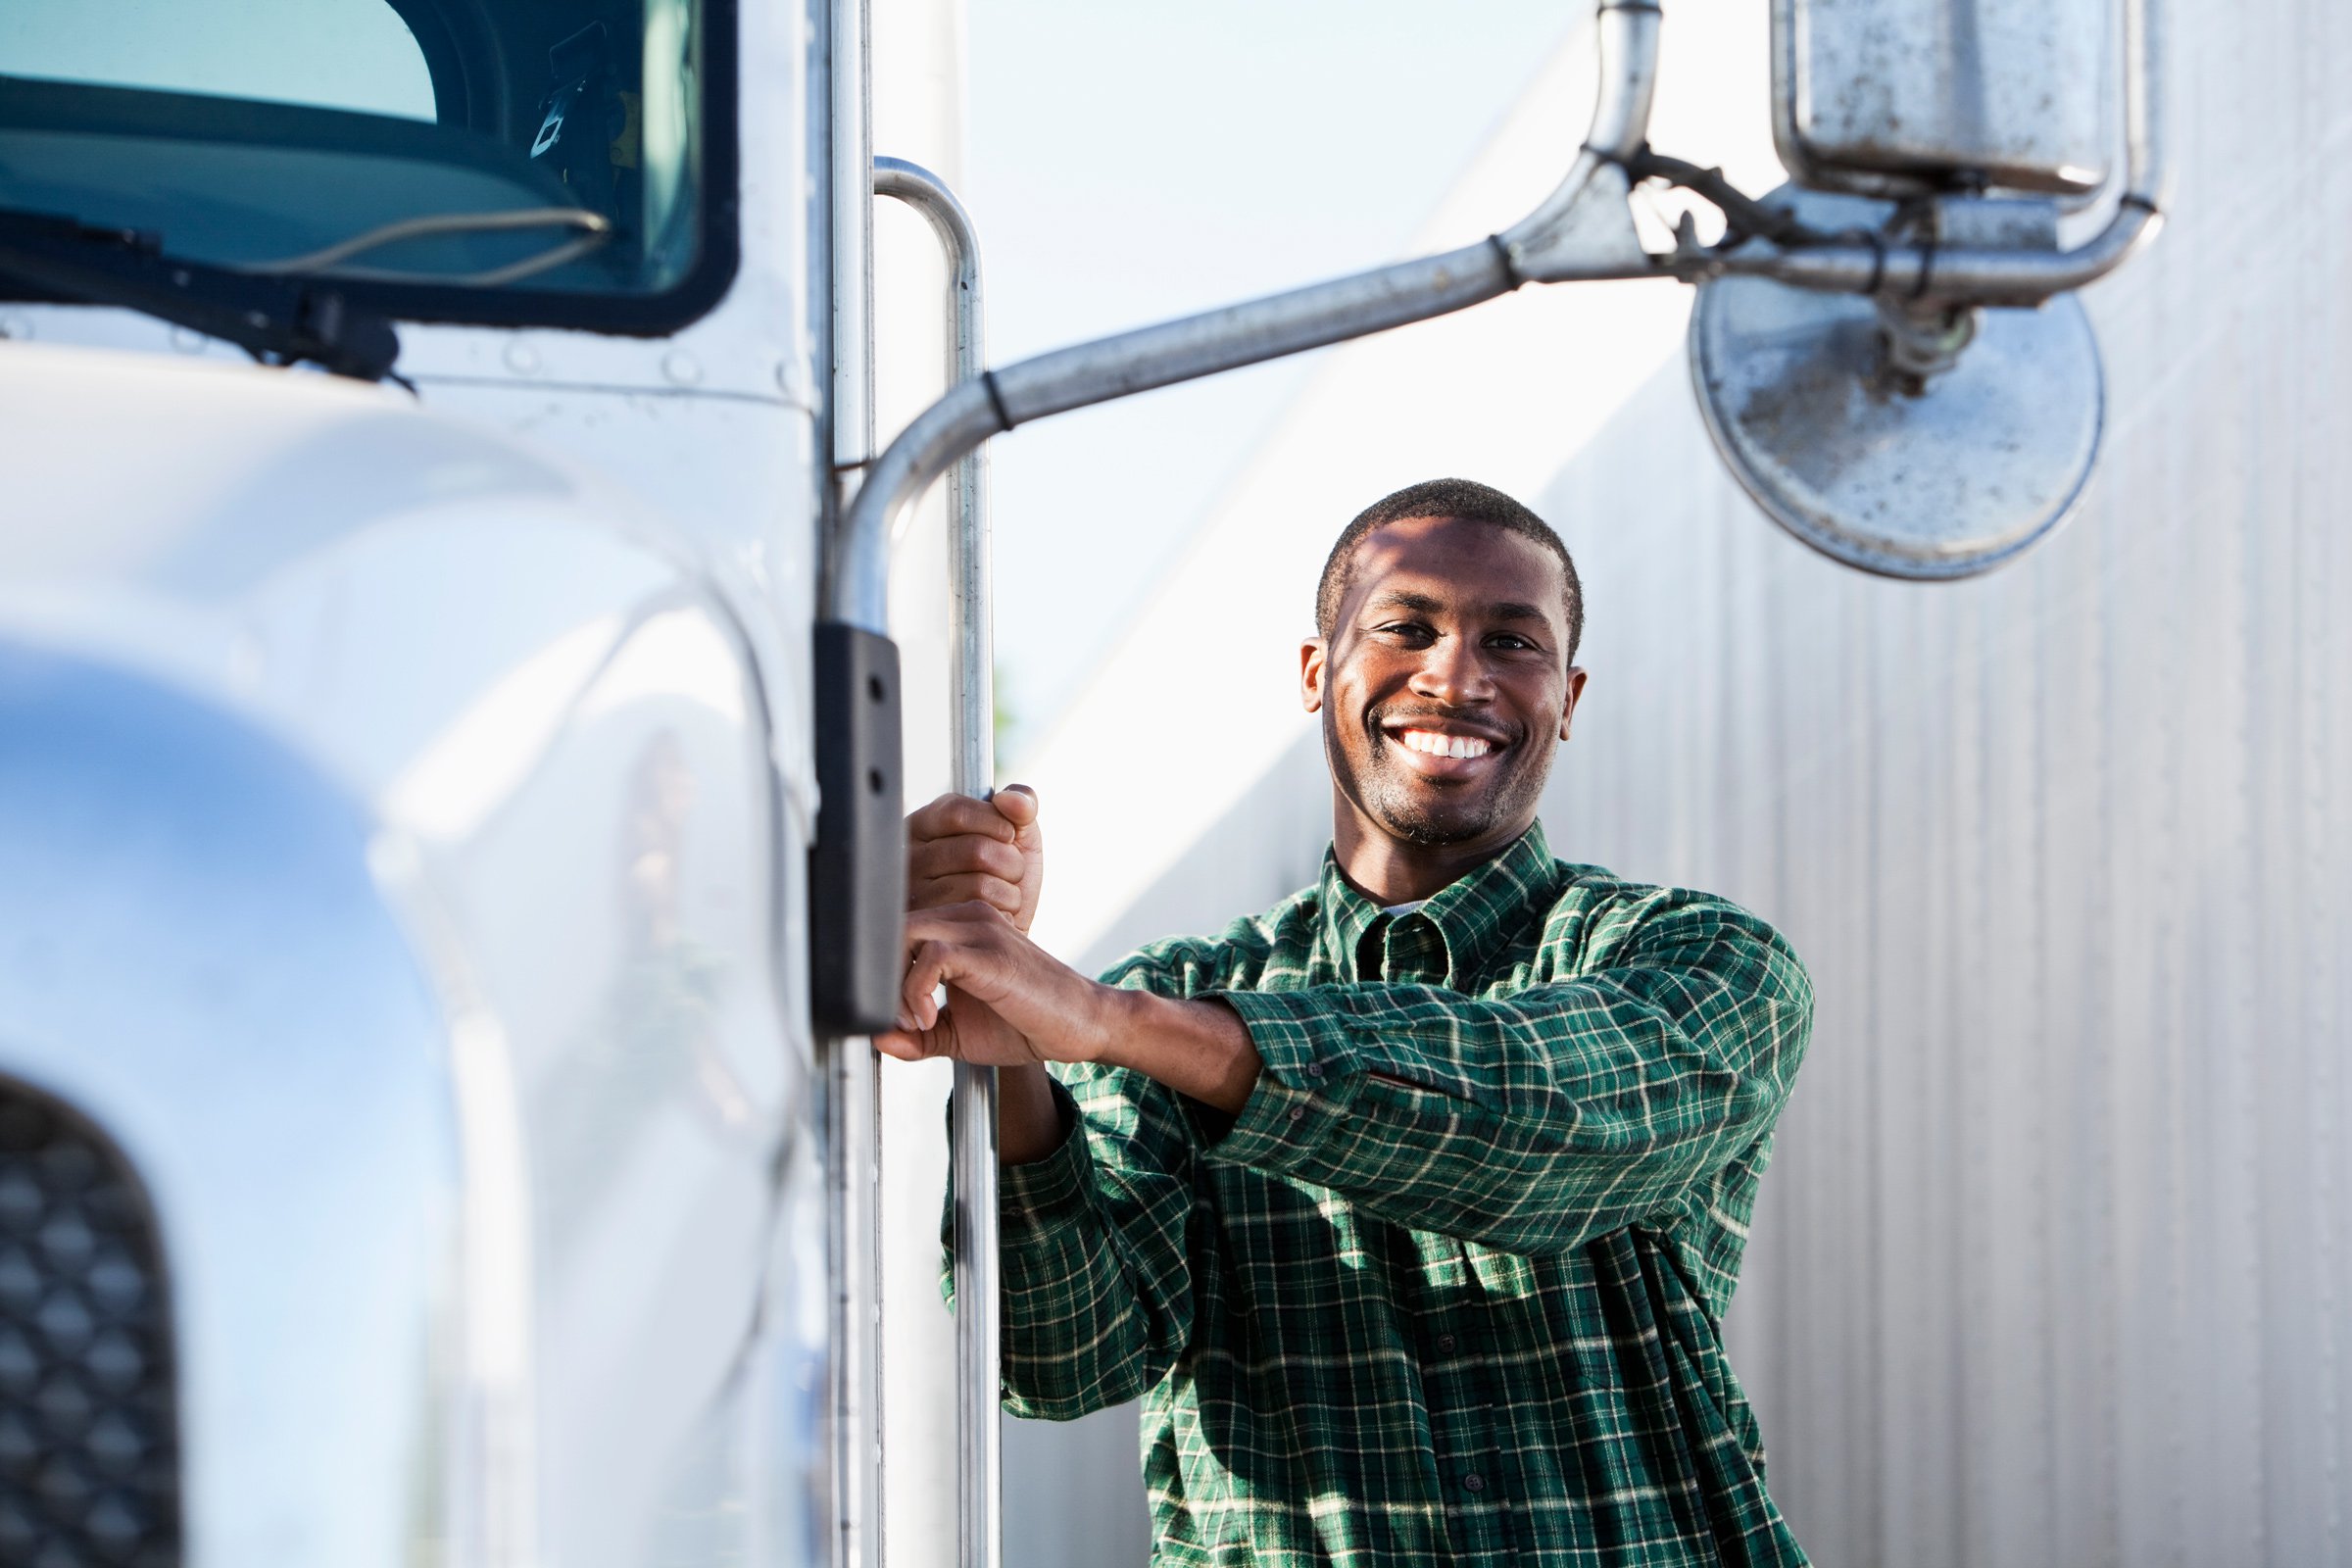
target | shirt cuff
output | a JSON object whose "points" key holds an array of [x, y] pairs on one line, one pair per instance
{"points": [[1311, 1065], [1036, 1196]]}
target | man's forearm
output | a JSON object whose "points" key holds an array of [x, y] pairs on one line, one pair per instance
{"points": [[1025, 1007], [1200, 1048], [1028, 1121]]}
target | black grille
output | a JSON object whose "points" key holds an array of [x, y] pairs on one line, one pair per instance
{"points": [[88, 1471]]}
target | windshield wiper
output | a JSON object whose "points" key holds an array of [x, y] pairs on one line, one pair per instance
{"points": [[279, 321], [595, 228]]}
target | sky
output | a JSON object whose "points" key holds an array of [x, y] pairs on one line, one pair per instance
{"points": [[1128, 163]]}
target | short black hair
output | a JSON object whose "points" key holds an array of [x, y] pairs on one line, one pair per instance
{"points": [[1466, 499]]}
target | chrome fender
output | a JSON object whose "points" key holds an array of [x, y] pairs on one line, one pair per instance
{"points": [[195, 955]]}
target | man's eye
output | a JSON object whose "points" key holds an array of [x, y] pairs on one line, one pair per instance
{"points": [[1410, 630], [1510, 640]]}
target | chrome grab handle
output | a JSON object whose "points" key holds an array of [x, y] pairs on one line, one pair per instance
{"points": [[972, 1112]]}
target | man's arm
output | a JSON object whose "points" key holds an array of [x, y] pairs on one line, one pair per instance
{"points": [[1530, 1123], [1097, 1283], [969, 859], [1021, 1007]]}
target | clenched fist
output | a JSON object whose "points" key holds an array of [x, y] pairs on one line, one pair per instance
{"points": [[962, 850]]}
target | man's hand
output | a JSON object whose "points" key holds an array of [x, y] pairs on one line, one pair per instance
{"points": [[961, 851], [988, 854], [1030, 1007], [1011, 1004]]}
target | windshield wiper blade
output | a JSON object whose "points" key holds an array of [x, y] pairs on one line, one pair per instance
{"points": [[279, 321]]}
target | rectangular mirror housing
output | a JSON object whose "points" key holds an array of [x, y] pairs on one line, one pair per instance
{"points": [[1894, 97]]}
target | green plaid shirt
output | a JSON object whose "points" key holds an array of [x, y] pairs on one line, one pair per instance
{"points": [[1448, 1290]]}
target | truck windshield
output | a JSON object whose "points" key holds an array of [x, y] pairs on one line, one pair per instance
{"points": [[497, 160]]}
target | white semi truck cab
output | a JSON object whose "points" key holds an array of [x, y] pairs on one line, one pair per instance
{"points": [[407, 1136], [449, 720]]}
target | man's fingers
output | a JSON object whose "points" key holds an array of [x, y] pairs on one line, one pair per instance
{"points": [[904, 1046], [919, 995], [951, 815], [963, 853], [939, 948], [994, 891]]}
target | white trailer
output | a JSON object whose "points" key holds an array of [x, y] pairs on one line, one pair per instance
{"points": [[449, 771]]}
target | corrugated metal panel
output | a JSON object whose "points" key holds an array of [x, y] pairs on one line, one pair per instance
{"points": [[2052, 1266]]}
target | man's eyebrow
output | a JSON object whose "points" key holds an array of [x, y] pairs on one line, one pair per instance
{"points": [[1407, 599]]}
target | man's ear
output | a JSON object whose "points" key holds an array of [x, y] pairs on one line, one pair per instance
{"points": [[1576, 689], [1310, 674]]}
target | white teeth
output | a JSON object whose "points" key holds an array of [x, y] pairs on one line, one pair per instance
{"points": [[1436, 745]]}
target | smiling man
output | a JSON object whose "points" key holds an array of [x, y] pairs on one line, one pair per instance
{"points": [[1410, 1207]]}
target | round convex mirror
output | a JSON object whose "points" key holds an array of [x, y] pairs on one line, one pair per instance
{"points": [[1934, 479]]}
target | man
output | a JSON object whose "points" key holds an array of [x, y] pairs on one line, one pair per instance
{"points": [[1410, 1207]]}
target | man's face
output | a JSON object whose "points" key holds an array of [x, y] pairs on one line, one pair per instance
{"points": [[1445, 685]]}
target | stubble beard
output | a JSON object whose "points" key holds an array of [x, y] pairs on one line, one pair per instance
{"points": [[1415, 812]]}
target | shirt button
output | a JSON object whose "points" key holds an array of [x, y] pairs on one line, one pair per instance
{"points": [[1298, 1113], [1314, 1069], [1474, 1482], [1444, 1341]]}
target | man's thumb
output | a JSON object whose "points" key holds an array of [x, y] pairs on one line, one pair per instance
{"points": [[1016, 803]]}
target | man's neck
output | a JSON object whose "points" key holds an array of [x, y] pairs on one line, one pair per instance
{"points": [[1388, 870]]}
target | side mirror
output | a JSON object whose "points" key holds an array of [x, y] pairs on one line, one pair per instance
{"points": [[1911, 438], [1902, 377]]}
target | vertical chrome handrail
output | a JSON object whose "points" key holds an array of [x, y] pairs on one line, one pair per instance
{"points": [[971, 695], [852, 1080]]}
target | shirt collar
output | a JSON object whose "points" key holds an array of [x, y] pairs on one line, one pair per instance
{"points": [[1474, 913]]}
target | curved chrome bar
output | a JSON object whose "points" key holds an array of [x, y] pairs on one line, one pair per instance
{"points": [[972, 760], [2008, 277], [1583, 230], [972, 1103]]}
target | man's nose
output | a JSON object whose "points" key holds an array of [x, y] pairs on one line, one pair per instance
{"points": [[1453, 669]]}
